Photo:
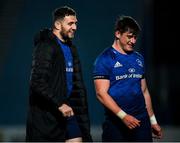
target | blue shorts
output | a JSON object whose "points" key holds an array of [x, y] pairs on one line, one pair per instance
{"points": [[116, 131], [73, 130]]}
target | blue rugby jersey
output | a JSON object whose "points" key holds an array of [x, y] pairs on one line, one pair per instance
{"points": [[125, 73], [69, 65]]}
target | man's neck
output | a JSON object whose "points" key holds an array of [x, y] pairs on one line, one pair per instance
{"points": [[118, 47], [55, 32]]}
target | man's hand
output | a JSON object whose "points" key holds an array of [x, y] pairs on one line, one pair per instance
{"points": [[66, 110], [131, 122], [157, 131]]}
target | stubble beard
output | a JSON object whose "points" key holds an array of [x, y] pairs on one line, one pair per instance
{"points": [[65, 35]]}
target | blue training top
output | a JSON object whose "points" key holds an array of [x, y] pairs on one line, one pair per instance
{"points": [[69, 65], [125, 73], [73, 130]]}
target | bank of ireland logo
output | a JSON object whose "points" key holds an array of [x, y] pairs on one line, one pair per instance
{"points": [[131, 70], [69, 64], [69, 67], [139, 62], [117, 64]]}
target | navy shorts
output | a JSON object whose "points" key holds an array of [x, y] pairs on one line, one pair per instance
{"points": [[73, 130], [116, 131]]}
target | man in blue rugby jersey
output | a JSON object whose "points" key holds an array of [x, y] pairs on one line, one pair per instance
{"points": [[121, 87]]}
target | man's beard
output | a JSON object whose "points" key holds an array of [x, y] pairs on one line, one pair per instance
{"points": [[65, 35]]}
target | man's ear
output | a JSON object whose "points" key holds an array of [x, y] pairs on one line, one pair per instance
{"points": [[57, 25], [117, 34]]}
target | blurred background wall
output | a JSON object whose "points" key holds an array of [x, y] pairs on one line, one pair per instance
{"points": [[158, 43]]}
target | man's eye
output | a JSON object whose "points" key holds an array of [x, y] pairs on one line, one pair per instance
{"points": [[129, 36], [70, 24]]}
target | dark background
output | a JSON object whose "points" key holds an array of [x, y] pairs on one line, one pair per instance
{"points": [[158, 43]]}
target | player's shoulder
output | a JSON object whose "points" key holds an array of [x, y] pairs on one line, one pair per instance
{"points": [[138, 55], [106, 53], [104, 56]]}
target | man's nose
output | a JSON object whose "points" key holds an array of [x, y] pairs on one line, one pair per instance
{"points": [[74, 26], [133, 40]]}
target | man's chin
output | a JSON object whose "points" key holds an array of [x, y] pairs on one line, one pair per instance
{"points": [[68, 38], [71, 36], [130, 48]]}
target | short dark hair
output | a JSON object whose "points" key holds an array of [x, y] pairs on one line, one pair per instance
{"points": [[127, 23], [61, 12]]}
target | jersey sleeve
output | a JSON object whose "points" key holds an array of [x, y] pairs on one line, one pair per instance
{"points": [[101, 70]]}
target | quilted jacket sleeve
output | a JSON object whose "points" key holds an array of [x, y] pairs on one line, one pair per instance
{"points": [[40, 80]]}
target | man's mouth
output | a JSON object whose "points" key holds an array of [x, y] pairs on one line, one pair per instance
{"points": [[131, 45]]}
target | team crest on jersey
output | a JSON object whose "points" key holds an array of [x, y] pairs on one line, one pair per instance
{"points": [[117, 64], [139, 62]]}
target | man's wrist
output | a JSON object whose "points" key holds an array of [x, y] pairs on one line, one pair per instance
{"points": [[153, 120], [121, 114]]}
